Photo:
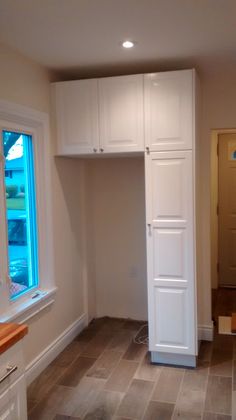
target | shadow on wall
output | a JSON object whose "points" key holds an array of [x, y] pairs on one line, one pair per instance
{"points": [[70, 223]]}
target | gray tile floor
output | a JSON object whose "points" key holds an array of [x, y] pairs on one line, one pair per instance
{"points": [[104, 375]]}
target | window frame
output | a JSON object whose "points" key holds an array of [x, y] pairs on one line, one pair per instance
{"points": [[36, 124], [32, 200]]}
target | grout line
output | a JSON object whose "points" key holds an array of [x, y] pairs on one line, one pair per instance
{"points": [[180, 388], [148, 401], [125, 393], [206, 386]]}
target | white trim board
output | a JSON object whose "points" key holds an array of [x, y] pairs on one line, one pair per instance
{"points": [[205, 332], [30, 307], [14, 117], [34, 368]]}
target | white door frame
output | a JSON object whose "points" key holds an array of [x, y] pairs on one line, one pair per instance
{"points": [[214, 202]]}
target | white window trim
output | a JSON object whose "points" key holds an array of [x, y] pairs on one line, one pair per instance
{"points": [[24, 119]]}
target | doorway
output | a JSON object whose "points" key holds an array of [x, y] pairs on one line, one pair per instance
{"points": [[227, 209], [223, 222], [223, 208]]}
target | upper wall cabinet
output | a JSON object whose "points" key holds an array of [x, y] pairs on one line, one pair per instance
{"points": [[169, 109], [99, 116], [76, 106], [121, 113], [116, 114]]}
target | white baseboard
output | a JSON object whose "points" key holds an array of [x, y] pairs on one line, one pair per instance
{"points": [[51, 352], [205, 332]]}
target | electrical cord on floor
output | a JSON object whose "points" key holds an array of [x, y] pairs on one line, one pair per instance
{"points": [[141, 338]]}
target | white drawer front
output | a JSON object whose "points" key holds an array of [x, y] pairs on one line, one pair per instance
{"points": [[11, 358]]}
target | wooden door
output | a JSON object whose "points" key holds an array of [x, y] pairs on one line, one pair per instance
{"points": [[227, 209], [169, 99], [121, 114], [76, 106], [170, 252]]}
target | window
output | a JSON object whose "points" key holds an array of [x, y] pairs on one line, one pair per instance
{"points": [[232, 150], [21, 213], [233, 155], [26, 258]]}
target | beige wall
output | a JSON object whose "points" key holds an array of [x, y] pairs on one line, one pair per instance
{"points": [[24, 82], [118, 235]]}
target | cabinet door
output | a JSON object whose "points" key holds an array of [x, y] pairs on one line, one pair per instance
{"points": [[5, 409], [121, 113], [169, 99], [76, 106], [17, 400], [170, 252]]}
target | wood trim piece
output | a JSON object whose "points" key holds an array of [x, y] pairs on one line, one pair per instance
{"points": [[11, 333]]}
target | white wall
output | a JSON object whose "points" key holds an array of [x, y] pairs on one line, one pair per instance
{"points": [[117, 223], [24, 82]]}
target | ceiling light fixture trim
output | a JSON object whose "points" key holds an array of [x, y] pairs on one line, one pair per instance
{"points": [[127, 44]]}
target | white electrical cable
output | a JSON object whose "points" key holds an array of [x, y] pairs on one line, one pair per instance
{"points": [[142, 339]]}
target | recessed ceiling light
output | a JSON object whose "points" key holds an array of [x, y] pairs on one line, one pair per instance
{"points": [[127, 44]]}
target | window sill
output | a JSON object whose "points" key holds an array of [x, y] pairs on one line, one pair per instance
{"points": [[30, 307]]}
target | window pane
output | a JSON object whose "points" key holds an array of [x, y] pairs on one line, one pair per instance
{"points": [[21, 212], [233, 156]]}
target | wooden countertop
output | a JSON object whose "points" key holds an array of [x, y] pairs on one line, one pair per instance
{"points": [[11, 333]]}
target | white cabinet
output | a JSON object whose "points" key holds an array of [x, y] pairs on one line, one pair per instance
{"points": [[13, 402], [170, 196], [115, 114], [169, 107], [5, 410], [121, 113], [12, 385], [159, 107], [170, 256], [99, 116], [76, 111]]}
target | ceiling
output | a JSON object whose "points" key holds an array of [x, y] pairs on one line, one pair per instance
{"points": [[84, 36]]}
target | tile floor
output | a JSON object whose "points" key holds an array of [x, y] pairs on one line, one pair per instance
{"points": [[104, 375]]}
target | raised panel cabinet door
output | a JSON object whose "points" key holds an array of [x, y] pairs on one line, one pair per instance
{"points": [[76, 107], [17, 400], [5, 409], [121, 113], [169, 110], [170, 252]]}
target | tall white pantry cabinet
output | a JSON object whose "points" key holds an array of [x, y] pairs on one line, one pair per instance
{"points": [[153, 114], [170, 216]]}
